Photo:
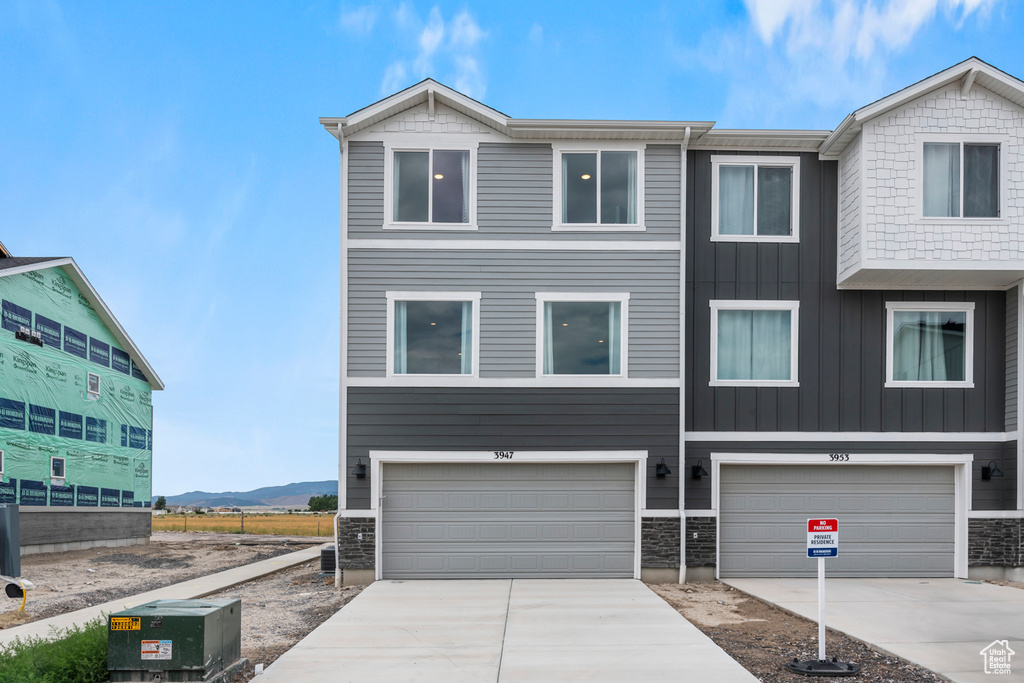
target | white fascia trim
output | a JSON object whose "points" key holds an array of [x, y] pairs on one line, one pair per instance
{"points": [[756, 305], [622, 298], [494, 245], [394, 296], [995, 514], [729, 160], [546, 381], [428, 144], [928, 306], [961, 487], [637, 458], [593, 147], [847, 437]]}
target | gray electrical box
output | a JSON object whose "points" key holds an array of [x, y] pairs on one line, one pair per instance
{"points": [[176, 640], [10, 541]]}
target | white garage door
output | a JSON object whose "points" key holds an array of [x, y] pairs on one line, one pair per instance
{"points": [[507, 520], [893, 520]]}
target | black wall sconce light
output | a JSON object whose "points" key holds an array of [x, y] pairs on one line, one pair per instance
{"points": [[661, 470], [698, 471], [359, 471], [991, 470]]}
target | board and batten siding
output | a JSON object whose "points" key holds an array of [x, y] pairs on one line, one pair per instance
{"points": [[508, 282], [515, 195], [1012, 298], [842, 336], [444, 419]]}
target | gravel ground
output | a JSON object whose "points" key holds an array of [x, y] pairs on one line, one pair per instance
{"points": [[763, 638]]}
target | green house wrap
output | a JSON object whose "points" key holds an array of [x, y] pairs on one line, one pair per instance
{"points": [[76, 414]]}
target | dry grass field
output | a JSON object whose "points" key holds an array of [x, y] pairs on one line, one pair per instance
{"points": [[283, 525]]}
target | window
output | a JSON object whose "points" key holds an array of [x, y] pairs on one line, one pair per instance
{"points": [[755, 198], [57, 470], [599, 190], [432, 333], [930, 344], [431, 189], [1, 465], [950, 193], [754, 343], [93, 385], [581, 334]]}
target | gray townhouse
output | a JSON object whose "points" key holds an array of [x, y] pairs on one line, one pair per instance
{"points": [[654, 349]]}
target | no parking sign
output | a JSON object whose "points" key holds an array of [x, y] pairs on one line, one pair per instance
{"points": [[822, 538]]}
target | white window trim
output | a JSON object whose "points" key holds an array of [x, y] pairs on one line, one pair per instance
{"points": [[962, 496], [393, 296], [622, 298], [756, 305], [88, 379], [717, 161], [380, 458], [961, 139], [928, 306], [59, 481], [428, 144], [591, 148]]}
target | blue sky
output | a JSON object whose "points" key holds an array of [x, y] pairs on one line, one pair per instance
{"points": [[173, 150]]}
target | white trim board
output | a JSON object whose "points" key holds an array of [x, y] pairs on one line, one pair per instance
{"points": [[545, 382], [496, 244], [853, 437], [961, 485], [638, 458]]}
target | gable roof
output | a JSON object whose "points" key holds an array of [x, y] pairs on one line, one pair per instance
{"points": [[16, 265], [431, 92], [967, 73]]}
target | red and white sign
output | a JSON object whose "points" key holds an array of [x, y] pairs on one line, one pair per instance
{"points": [[822, 538]]}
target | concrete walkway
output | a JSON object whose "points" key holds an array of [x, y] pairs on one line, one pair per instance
{"points": [[505, 631], [940, 624], [186, 590]]}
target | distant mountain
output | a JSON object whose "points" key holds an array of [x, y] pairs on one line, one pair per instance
{"points": [[279, 496]]}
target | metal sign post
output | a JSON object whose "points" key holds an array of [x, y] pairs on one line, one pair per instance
{"points": [[822, 542]]}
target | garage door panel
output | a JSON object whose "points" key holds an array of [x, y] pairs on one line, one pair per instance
{"points": [[501, 520], [894, 519]]}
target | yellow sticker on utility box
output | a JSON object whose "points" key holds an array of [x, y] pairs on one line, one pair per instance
{"points": [[125, 623]]}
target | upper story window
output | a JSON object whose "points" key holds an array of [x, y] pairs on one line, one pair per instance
{"points": [[960, 179], [57, 469], [431, 189], [755, 198], [599, 189], [930, 344], [432, 333], [754, 343], [581, 334]]}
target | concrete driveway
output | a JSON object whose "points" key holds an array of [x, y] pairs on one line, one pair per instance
{"points": [[506, 630], [940, 624]]}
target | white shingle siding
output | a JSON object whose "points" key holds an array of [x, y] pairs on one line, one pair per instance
{"points": [[417, 120], [891, 228], [849, 206]]}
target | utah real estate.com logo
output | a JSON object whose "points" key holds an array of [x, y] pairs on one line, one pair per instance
{"points": [[997, 657]]}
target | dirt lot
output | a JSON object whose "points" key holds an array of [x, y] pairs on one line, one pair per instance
{"points": [[763, 638]]}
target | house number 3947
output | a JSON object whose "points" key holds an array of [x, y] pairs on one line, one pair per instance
{"points": [[503, 455]]}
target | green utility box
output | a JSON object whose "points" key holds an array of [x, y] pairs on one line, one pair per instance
{"points": [[176, 640]]}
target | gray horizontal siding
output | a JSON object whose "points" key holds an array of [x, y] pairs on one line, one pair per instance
{"points": [[994, 494], [508, 282], [842, 342], [515, 186], [516, 419]]}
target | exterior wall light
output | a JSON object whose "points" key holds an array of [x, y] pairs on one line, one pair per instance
{"points": [[991, 470], [662, 470], [359, 471], [698, 471]]}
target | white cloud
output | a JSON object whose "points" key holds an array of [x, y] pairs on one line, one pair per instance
{"points": [[360, 20], [536, 35], [448, 51]]}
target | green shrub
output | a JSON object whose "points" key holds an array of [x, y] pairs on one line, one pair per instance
{"points": [[74, 655]]}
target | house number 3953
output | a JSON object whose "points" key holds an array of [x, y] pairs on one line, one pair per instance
{"points": [[503, 455], [839, 457]]}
